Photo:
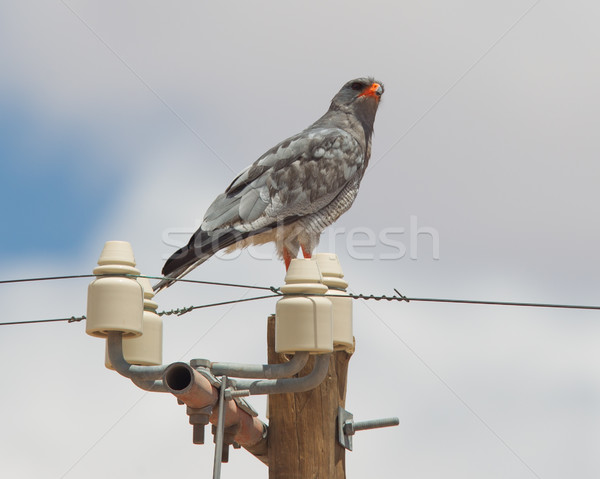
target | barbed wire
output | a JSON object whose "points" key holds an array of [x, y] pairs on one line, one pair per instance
{"points": [[184, 310]]}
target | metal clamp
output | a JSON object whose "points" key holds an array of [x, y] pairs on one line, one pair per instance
{"points": [[347, 427]]}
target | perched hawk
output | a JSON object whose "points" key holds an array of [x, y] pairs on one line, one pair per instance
{"points": [[295, 190]]}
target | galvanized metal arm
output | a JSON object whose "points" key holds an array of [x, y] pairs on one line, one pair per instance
{"points": [[145, 377], [265, 371], [287, 385]]}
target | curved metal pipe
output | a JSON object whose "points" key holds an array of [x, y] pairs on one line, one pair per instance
{"points": [[288, 385], [119, 363], [266, 371], [150, 385], [183, 381]]}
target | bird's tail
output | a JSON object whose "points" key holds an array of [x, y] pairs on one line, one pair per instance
{"points": [[202, 246]]}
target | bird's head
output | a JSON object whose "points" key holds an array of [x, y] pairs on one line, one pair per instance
{"points": [[358, 93], [359, 97]]}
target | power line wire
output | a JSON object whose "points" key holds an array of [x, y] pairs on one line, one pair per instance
{"points": [[211, 283], [397, 297], [46, 278], [276, 291], [72, 319], [182, 311], [181, 280], [505, 303], [400, 297]]}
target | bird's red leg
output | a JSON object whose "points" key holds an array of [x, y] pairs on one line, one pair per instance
{"points": [[287, 258], [306, 253]]}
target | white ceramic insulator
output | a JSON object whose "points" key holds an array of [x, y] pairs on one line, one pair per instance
{"points": [[145, 350], [303, 323], [115, 303], [329, 265]]}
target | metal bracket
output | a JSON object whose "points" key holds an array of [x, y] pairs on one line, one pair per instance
{"points": [[344, 417], [245, 406], [346, 426], [200, 365]]}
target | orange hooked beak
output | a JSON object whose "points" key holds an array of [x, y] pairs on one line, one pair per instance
{"points": [[375, 91]]}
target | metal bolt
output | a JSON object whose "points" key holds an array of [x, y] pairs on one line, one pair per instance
{"points": [[351, 427], [198, 433], [198, 419], [228, 439], [346, 427], [234, 393]]}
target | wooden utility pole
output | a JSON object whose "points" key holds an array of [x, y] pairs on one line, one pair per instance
{"points": [[302, 438]]}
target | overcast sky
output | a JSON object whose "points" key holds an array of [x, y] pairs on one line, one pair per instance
{"points": [[123, 120]]}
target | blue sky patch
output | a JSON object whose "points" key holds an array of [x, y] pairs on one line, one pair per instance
{"points": [[50, 203]]}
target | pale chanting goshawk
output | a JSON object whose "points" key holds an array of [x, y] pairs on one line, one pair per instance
{"points": [[295, 190]]}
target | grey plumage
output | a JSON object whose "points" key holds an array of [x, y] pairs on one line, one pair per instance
{"points": [[295, 190]]}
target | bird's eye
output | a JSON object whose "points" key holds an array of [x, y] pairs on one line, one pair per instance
{"points": [[357, 86]]}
